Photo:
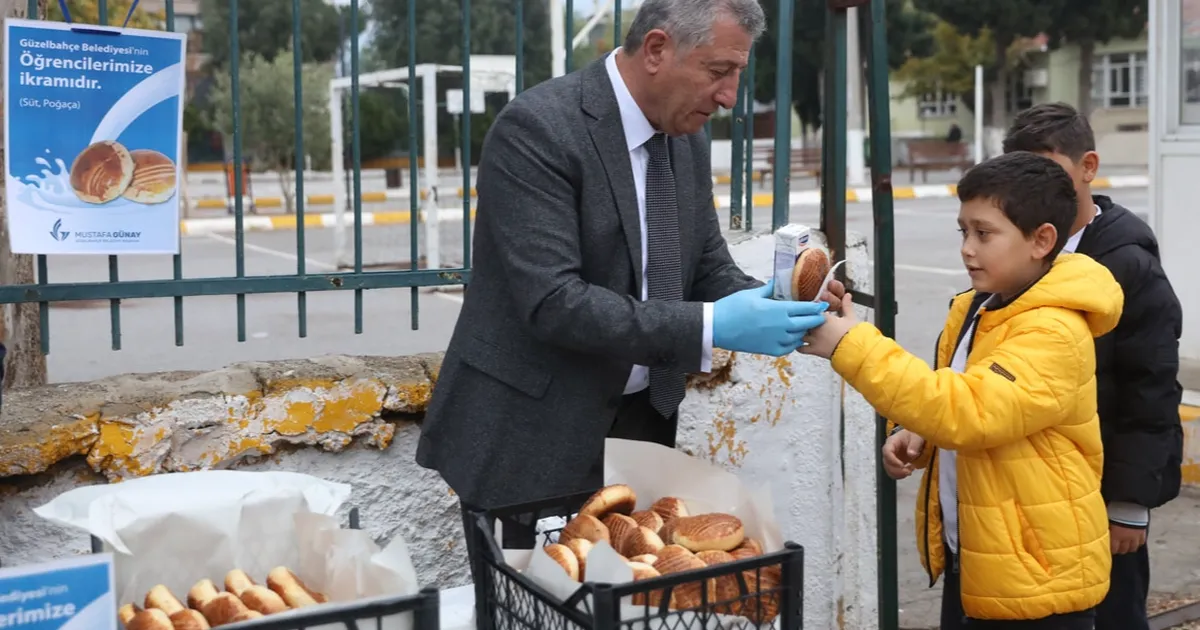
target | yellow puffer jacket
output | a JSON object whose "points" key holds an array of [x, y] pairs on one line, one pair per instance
{"points": [[1033, 528]]}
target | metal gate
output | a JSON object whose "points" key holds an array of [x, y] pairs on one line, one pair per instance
{"points": [[832, 187]]}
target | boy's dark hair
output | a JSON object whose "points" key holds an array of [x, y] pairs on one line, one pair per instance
{"points": [[1029, 189], [1051, 128]]}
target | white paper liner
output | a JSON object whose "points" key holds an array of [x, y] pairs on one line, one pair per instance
{"points": [[655, 471], [176, 529]]}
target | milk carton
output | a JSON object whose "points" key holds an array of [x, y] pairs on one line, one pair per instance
{"points": [[790, 241]]}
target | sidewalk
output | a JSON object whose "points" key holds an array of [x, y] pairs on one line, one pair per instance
{"points": [[799, 197]]}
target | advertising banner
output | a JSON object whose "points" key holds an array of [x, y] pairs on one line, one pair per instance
{"points": [[93, 134]]}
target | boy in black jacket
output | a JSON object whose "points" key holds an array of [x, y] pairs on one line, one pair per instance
{"points": [[1137, 364]]}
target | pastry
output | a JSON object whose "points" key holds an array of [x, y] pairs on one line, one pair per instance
{"points": [[748, 549], [617, 498], [126, 613], [237, 581], [161, 598], [222, 609], [672, 550], [709, 531], [619, 526], [727, 591], [188, 619], [641, 541], [812, 265], [101, 172], [646, 558], [581, 547], [584, 526], [201, 594], [153, 178], [669, 508], [150, 619], [689, 594], [648, 519], [565, 559], [667, 531], [262, 599], [289, 587]]}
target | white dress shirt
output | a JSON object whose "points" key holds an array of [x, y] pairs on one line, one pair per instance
{"points": [[638, 131]]}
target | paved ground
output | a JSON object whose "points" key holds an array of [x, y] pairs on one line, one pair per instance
{"points": [[928, 274]]}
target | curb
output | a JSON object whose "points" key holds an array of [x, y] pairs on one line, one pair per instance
{"points": [[930, 191], [254, 223], [193, 227], [761, 200]]}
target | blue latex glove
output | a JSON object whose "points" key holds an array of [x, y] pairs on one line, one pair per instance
{"points": [[751, 321]]}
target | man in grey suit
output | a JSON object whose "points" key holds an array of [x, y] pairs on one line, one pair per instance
{"points": [[600, 273]]}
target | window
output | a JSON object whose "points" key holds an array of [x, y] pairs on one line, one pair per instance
{"points": [[1120, 80], [1189, 62], [937, 105]]}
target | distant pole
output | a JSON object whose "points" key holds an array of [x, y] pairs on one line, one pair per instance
{"points": [[978, 114], [855, 134]]}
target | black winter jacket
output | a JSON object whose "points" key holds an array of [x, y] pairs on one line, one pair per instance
{"points": [[1137, 364]]}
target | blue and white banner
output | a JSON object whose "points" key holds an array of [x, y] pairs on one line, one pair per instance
{"points": [[68, 594], [93, 135]]}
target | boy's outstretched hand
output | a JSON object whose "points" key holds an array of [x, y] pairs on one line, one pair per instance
{"points": [[822, 340]]}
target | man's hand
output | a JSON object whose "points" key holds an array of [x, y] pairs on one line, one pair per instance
{"points": [[751, 321], [1125, 539], [900, 451], [822, 340]]}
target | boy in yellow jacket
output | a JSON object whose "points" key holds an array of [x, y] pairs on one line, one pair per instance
{"points": [[1009, 507]]}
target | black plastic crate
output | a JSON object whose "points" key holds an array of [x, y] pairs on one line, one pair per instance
{"points": [[507, 600], [367, 614]]}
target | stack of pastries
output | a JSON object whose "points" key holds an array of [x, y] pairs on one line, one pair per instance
{"points": [[665, 539], [207, 607]]}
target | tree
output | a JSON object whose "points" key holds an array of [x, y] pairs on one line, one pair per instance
{"points": [[267, 109], [950, 69], [25, 365], [88, 12], [439, 33], [1006, 21], [1089, 22], [909, 34], [265, 29]]}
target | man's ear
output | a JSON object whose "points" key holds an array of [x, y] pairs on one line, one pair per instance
{"points": [[1090, 165], [1044, 238], [655, 48]]}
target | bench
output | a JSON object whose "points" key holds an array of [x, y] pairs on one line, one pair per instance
{"points": [[926, 154], [806, 161]]}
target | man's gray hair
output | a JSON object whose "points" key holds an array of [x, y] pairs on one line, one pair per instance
{"points": [[690, 22]]}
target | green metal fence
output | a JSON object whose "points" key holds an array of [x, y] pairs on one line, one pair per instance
{"points": [[833, 195]]}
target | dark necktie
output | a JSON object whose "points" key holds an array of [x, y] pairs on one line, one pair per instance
{"points": [[664, 275]]}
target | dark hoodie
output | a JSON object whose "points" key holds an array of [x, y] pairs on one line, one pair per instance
{"points": [[1137, 364]]}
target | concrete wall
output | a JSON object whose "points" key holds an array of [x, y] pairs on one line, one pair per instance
{"points": [[777, 422]]}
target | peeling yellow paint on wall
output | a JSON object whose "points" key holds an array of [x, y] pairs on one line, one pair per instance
{"points": [[723, 437]]}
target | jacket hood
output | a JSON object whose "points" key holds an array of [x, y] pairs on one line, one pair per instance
{"points": [[1074, 282], [1116, 227]]}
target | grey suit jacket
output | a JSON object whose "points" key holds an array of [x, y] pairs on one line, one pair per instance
{"points": [[551, 323]]}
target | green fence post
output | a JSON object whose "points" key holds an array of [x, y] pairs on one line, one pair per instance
{"points": [[238, 183], [833, 147], [298, 104], [748, 217], [414, 190], [885, 294], [466, 133], [177, 259], [781, 208], [356, 152], [736, 127]]}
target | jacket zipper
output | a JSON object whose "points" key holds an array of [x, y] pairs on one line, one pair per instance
{"points": [[973, 332]]}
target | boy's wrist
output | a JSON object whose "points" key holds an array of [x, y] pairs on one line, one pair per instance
{"points": [[1129, 514]]}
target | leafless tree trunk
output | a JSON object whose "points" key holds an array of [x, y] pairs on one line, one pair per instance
{"points": [[19, 326]]}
